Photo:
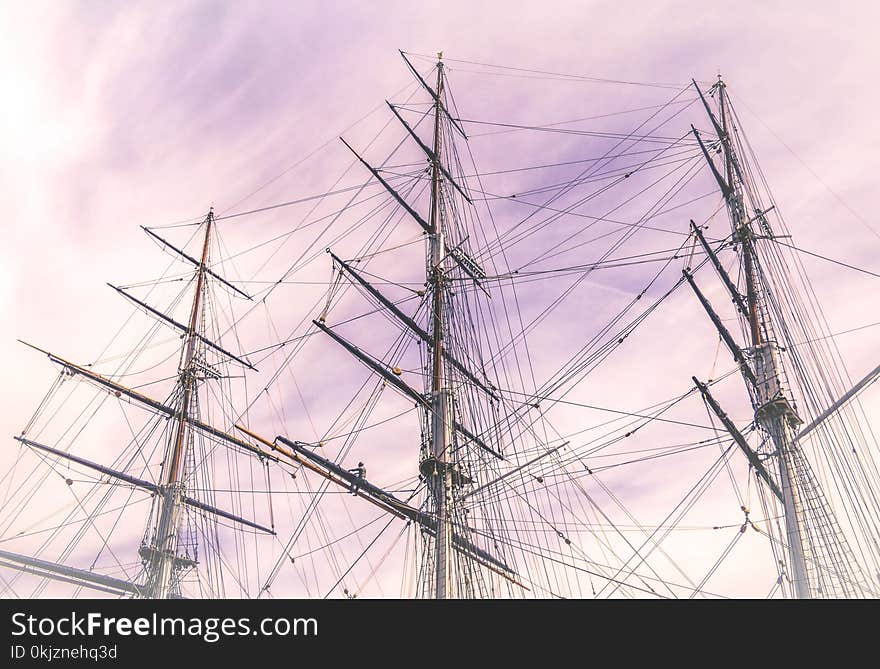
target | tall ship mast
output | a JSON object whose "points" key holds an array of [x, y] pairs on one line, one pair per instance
{"points": [[819, 559], [181, 517], [431, 421]]}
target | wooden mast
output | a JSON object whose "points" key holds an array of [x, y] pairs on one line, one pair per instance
{"points": [[164, 561], [440, 476]]}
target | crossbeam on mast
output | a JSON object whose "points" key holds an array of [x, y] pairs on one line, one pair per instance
{"points": [[297, 452], [722, 184], [195, 262], [437, 100], [122, 476], [738, 437], [432, 156], [735, 350], [62, 572], [398, 506], [388, 304], [720, 130], [151, 403], [183, 328], [405, 388], [467, 265], [207, 508], [397, 196], [725, 277], [411, 324], [141, 483]]}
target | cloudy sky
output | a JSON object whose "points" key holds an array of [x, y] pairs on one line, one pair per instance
{"points": [[117, 115]]}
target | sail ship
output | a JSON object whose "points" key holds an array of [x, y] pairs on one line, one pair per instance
{"points": [[482, 477]]}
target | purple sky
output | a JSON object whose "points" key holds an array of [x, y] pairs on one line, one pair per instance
{"points": [[117, 116]]}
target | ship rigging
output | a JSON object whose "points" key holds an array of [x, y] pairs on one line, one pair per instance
{"points": [[453, 350]]}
